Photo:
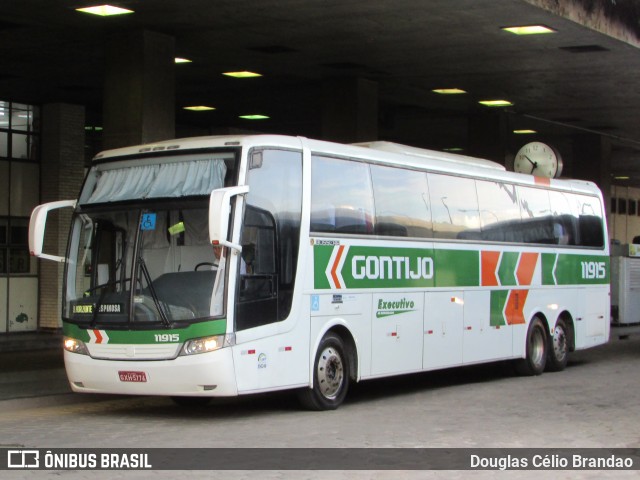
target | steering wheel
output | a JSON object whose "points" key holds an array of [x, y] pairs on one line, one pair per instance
{"points": [[204, 264]]}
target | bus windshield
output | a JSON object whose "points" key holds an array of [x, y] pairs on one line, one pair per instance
{"points": [[158, 259], [139, 252]]}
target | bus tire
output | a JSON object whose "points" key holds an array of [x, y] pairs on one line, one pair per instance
{"points": [[558, 347], [330, 376], [536, 350]]}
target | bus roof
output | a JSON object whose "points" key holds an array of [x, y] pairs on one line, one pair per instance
{"points": [[377, 151]]}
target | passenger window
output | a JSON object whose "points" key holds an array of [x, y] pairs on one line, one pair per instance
{"points": [[565, 218], [499, 213], [402, 202], [498, 203], [341, 196], [534, 203], [590, 223], [537, 220], [454, 204]]}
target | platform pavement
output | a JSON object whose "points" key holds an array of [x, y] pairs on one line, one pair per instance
{"points": [[31, 365], [30, 341]]}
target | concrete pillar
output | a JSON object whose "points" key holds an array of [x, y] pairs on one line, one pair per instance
{"points": [[350, 110], [139, 90], [487, 136], [61, 175], [591, 160]]}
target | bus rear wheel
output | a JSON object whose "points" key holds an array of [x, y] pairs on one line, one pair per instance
{"points": [[558, 348], [536, 350], [330, 376]]}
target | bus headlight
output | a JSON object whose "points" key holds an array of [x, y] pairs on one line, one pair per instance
{"points": [[208, 344], [74, 346]]}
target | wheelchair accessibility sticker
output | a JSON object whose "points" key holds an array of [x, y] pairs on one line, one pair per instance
{"points": [[148, 221]]}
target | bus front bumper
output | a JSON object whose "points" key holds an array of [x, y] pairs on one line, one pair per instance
{"points": [[206, 374]]}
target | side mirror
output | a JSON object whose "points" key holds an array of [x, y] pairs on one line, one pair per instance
{"points": [[219, 211], [37, 227]]}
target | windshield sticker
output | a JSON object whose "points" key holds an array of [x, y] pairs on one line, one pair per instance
{"points": [[148, 221], [176, 229]]}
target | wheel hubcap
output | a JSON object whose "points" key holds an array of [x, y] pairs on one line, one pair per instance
{"points": [[537, 347], [330, 372], [559, 343]]}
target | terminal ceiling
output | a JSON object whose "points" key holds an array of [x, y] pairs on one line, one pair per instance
{"points": [[572, 82]]}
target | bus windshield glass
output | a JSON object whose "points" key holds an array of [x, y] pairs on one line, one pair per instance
{"points": [[139, 257]]}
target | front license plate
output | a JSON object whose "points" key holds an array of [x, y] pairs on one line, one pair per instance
{"points": [[132, 376]]}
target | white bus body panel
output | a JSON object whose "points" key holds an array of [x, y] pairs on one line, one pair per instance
{"points": [[190, 375]]}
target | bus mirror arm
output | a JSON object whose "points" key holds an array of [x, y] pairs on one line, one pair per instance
{"points": [[219, 211], [37, 226]]}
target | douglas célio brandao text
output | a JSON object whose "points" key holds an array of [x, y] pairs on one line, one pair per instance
{"points": [[550, 461]]}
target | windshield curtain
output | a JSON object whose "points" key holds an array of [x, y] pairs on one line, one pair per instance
{"points": [[158, 258], [168, 180]]}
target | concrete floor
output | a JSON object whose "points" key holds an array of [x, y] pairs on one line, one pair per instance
{"points": [[593, 403]]}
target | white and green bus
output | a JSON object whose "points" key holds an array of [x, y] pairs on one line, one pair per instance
{"points": [[226, 266]]}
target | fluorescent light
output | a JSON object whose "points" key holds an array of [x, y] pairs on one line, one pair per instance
{"points": [[454, 149], [104, 10], [254, 117], [243, 74], [524, 132], [199, 108], [529, 30], [496, 103], [448, 91], [623, 177], [182, 60]]}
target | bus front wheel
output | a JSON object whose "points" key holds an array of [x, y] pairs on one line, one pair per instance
{"points": [[536, 350], [330, 376]]}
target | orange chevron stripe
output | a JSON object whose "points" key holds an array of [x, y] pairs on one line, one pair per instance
{"points": [[334, 275], [514, 310], [526, 268], [489, 265], [542, 181]]}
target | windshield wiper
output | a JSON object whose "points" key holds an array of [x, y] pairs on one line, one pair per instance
{"points": [[97, 305], [154, 295]]}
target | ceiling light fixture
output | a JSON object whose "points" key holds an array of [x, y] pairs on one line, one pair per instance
{"points": [[254, 117], [242, 74], [524, 132], [182, 60], [199, 108], [104, 10], [449, 91], [496, 103], [529, 30]]}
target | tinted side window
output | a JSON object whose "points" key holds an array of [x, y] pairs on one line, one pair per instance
{"points": [[499, 211], [270, 238], [537, 221], [565, 218], [341, 196], [402, 202], [590, 222], [454, 205]]}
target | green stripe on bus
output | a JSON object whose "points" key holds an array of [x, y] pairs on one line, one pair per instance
{"points": [[507, 268], [393, 267], [143, 337], [498, 301], [358, 267]]}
